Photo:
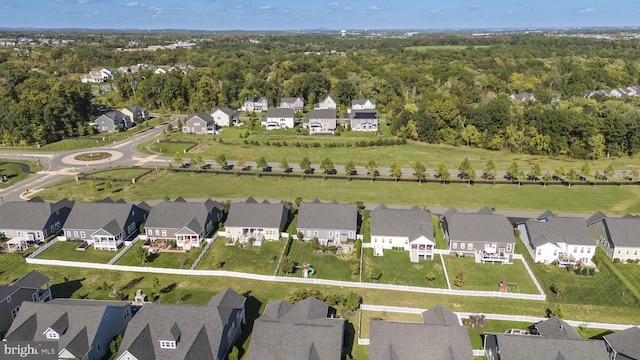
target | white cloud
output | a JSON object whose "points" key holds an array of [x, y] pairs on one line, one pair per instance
{"points": [[587, 10], [134, 4], [83, 1], [335, 4], [348, 8], [266, 7], [374, 8]]}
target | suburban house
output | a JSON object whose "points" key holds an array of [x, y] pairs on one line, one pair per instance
{"points": [[105, 225], [306, 330], [331, 223], [113, 121], [624, 345], [362, 104], [32, 287], [279, 118], [407, 229], [136, 113], [224, 117], [178, 332], [550, 339], [255, 104], [95, 76], [26, 223], [199, 124], [297, 104], [440, 335], [322, 121], [364, 120], [83, 328], [251, 221], [527, 96], [326, 103], [483, 234], [188, 223], [618, 237], [563, 239]]}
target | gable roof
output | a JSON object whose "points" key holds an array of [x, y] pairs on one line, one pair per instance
{"points": [[331, 216], [83, 320], [289, 100], [623, 231], [281, 112], [322, 114], [178, 214], [531, 347], [225, 110], [252, 213], [95, 216], [556, 328], [412, 223], [478, 227], [33, 280], [439, 336], [362, 101], [555, 230], [203, 116], [29, 215], [598, 216], [256, 99], [625, 342], [301, 331], [200, 328]]}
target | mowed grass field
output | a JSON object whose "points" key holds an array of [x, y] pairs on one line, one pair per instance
{"points": [[327, 266], [174, 260], [583, 199], [250, 259], [398, 269], [66, 250], [487, 276]]}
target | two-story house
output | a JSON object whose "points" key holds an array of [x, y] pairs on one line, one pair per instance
{"points": [[224, 116], [136, 113], [364, 120], [362, 104], [297, 104], [178, 332], [83, 329], [326, 103], [199, 124], [307, 329], [254, 222], [279, 118], [322, 121], [487, 236], [188, 223], [31, 222], [408, 229], [563, 239], [32, 287], [331, 223], [255, 104], [105, 225], [113, 121], [618, 237]]}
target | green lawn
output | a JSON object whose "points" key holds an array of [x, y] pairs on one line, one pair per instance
{"points": [[118, 173], [486, 276], [90, 141], [398, 269], [609, 199], [498, 326], [171, 148], [162, 260], [251, 259], [327, 266], [441, 243], [66, 250], [12, 170], [367, 316]]}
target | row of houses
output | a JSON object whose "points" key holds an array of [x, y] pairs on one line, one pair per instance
{"points": [[99, 75], [307, 329], [124, 118], [483, 234]]}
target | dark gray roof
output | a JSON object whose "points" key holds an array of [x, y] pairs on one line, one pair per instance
{"points": [[413, 223], [281, 112], [203, 116], [200, 328], [225, 110], [256, 98], [556, 328], [251, 213], [531, 347], [331, 216], [418, 341], [33, 280], [29, 215], [364, 114], [178, 214], [85, 215], [440, 315], [114, 114], [84, 319], [135, 108], [322, 114], [478, 227], [624, 232], [625, 342], [289, 100], [569, 230], [300, 331]]}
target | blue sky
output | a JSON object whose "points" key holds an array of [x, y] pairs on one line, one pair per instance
{"points": [[315, 14]]}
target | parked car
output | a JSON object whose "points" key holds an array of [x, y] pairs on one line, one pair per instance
{"points": [[205, 166], [185, 165]]}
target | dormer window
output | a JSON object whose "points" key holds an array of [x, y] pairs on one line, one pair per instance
{"points": [[52, 335], [164, 344]]}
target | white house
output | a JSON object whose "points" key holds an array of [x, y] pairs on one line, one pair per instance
{"points": [[407, 229], [327, 103], [222, 116], [279, 118]]}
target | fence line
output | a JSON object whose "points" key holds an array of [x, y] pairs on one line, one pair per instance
{"points": [[124, 251], [204, 251], [269, 278], [43, 248], [533, 277]]}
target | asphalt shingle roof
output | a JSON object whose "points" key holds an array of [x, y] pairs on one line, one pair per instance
{"points": [[532, 347], [317, 114], [251, 213], [626, 342], [556, 328], [178, 214], [624, 231], [318, 215], [85, 215], [570, 230], [29, 215], [281, 113], [413, 223], [33, 280], [478, 227]]}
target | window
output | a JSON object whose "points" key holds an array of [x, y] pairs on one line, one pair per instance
{"points": [[34, 296], [98, 346], [454, 245], [351, 235], [627, 251], [575, 249], [635, 252], [308, 232], [470, 246], [582, 250], [52, 335], [555, 253], [14, 312], [126, 314], [8, 299], [406, 241], [167, 344], [149, 232], [157, 232], [509, 247], [68, 233], [164, 232], [462, 246], [331, 234], [588, 250], [539, 252], [75, 234], [315, 233], [618, 252], [82, 234]]}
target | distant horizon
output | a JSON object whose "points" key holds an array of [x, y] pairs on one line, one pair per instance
{"points": [[290, 15]]}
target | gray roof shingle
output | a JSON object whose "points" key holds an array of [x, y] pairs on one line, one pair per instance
{"points": [[85, 215], [478, 227], [331, 216], [281, 113], [413, 223], [531, 347], [317, 114], [625, 342], [33, 280], [178, 214], [556, 328], [623, 231], [29, 215], [569, 230], [251, 213]]}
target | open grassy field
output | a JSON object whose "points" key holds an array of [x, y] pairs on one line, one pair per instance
{"points": [[398, 269], [66, 250], [118, 173], [252, 259], [13, 170], [175, 260], [486, 276], [170, 148], [327, 266], [585, 199]]}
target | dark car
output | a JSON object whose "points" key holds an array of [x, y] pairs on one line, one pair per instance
{"points": [[331, 172], [267, 169], [227, 167], [185, 165], [205, 166]]}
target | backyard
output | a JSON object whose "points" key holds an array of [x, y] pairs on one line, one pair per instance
{"points": [[173, 260], [327, 266], [250, 259], [66, 251], [398, 269]]}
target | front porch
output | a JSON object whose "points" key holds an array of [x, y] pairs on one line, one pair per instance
{"points": [[110, 243], [421, 251], [186, 241]]}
